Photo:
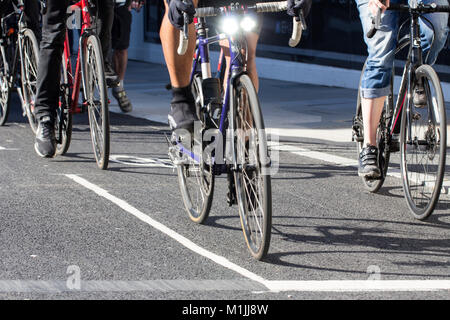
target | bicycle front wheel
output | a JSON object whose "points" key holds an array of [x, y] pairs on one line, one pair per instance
{"points": [[97, 99], [423, 143], [5, 89], [30, 60], [252, 179]]}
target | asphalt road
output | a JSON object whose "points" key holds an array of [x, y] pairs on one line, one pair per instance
{"points": [[124, 231]]}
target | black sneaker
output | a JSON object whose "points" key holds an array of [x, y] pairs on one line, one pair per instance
{"points": [[45, 142], [111, 77], [419, 97], [368, 163], [182, 113], [122, 100]]}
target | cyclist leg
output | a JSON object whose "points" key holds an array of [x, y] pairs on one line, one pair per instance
{"points": [[106, 16], [375, 83], [49, 73], [182, 114], [120, 42], [434, 37], [252, 42]]}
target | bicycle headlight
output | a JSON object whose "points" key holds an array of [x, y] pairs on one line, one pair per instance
{"points": [[229, 25], [248, 24]]}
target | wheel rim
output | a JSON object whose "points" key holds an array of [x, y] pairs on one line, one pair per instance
{"points": [[249, 184], [30, 77], [95, 106], [198, 179], [422, 154], [4, 90]]}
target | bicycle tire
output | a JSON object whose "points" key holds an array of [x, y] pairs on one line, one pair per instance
{"points": [[252, 180], [198, 198], [5, 88], [373, 185], [97, 102], [28, 78], [63, 123], [424, 142]]}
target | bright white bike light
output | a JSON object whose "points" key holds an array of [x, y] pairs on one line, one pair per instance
{"points": [[229, 25], [248, 24]]}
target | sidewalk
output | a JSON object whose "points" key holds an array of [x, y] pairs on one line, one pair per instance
{"points": [[290, 109]]}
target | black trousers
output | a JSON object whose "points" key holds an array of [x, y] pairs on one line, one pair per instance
{"points": [[52, 46]]}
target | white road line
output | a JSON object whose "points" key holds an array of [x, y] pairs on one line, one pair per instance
{"points": [[342, 161], [274, 286], [169, 232], [359, 285], [7, 149]]}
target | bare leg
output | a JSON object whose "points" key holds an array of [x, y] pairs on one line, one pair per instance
{"points": [[371, 110], [252, 41], [120, 60], [179, 67]]}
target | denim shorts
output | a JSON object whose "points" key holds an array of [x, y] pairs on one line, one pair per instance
{"points": [[376, 79]]}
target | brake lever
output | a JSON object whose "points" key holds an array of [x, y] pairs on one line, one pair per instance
{"points": [[299, 25], [376, 23], [184, 35]]}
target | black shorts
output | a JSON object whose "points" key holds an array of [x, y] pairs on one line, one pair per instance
{"points": [[120, 35]]}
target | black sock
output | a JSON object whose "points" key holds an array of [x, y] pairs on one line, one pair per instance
{"points": [[182, 95]]}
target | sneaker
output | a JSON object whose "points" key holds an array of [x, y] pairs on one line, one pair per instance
{"points": [[182, 116], [112, 79], [419, 97], [368, 163], [182, 113], [45, 142], [122, 100]]}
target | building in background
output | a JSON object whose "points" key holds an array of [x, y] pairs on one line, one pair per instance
{"points": [[331, 52]]}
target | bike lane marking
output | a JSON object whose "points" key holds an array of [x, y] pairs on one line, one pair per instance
{"points": [[369, 285], [166, 230], [342, 161]]}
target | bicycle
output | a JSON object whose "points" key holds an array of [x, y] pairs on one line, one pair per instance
{"points": [[89, 79], [233, 116], [18, 45], [423, 131]]}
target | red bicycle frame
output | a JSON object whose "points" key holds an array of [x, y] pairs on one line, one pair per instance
{"points": [[75, 79]]}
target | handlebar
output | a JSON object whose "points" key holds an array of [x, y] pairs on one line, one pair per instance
{"points": [[418, 9], [299, 23]]}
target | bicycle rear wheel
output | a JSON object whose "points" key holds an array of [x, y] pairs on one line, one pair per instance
{"points": [[29, 65], [195, 177], [97, 99], [252, 179], [5, 89], [423, 143], [63, 123]]}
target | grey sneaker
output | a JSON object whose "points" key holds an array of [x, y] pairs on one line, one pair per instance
{"points": [[45, 142], [122, 99]]}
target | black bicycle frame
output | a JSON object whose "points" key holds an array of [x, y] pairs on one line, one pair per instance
{"points": [[413, 60]]}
